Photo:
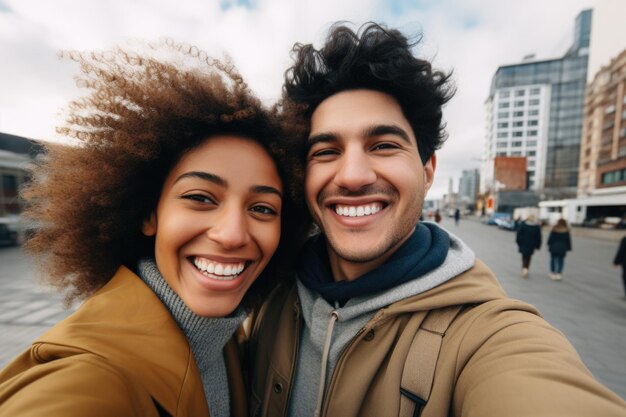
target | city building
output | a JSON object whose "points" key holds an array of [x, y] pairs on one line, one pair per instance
{"points": [[603, 148], [15, 154], [468, 186], [535, 110]]}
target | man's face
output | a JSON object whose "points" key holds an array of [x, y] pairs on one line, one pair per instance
{"points": [[365, 181]]}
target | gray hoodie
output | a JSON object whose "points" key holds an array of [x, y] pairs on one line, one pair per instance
{"points": [[325, 335]]}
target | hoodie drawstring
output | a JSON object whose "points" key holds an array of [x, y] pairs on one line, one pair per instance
{"points": [[329, 336]]}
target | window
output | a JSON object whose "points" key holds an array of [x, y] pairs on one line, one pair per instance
{"points": [[519, 103], [531, 133], [501, 145], [504, 94], [503, 125], [534, 102], [516, 144], [531, 143], [533, 122], [518, 114], [531, 153], [518, 124], [609, 110], [531, 163], [501, 153], [518, 134], [533, 112], [519, 93], [535, 91], [516, 153], [504, 105], [614, 176], [503, 115], [503, 135]]}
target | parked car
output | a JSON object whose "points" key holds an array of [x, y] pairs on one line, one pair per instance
{"points": [[506, 223], [8, 235], [491, 220]]}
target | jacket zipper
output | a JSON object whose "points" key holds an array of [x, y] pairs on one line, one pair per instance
{"points": [[331, 385]]}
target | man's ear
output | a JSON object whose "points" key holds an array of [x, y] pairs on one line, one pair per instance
{"points": [[149, 226], [429, 171]]}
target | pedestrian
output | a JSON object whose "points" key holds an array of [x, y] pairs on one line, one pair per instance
{"points": [[528, 239], [559, 243], [457, 216], [164, 221], [437, 216], [620, 259], [389, 316]]}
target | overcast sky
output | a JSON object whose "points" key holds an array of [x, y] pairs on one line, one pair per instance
{"points": [[470, 37]]}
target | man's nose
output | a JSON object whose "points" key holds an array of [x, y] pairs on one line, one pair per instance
{"points": [[355, 170], [230, 229]]}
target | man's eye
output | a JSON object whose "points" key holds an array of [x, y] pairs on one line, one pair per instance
{"points": [[384, 146], [323, 152], [201, 198], [264, 210]]}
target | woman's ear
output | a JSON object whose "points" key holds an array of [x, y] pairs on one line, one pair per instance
{"points": [[149, 226]]}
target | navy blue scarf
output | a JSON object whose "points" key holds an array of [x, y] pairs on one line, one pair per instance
{"points": [[424, 251]]}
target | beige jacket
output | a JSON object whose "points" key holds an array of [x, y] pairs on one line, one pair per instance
{"points": [[498, 358], [120, 354]]}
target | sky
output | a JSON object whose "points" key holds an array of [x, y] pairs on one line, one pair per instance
{"points": [[471, 38]]}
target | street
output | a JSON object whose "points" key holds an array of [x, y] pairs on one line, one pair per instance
{"points": [[588, 305]]}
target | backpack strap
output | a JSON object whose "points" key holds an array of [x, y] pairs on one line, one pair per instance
{"points": [[421, 361]]}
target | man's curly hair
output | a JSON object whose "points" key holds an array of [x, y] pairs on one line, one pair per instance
{"points": [[140, 115], [374, 58]]}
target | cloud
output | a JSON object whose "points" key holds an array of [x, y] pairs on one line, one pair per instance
{"points": [[472, 38]]}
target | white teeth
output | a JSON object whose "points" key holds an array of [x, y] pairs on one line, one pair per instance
{"points": [[223, 271], [358, 211]]}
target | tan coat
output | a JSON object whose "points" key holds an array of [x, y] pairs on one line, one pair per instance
{"points": [[116, 356], [498, 358]]}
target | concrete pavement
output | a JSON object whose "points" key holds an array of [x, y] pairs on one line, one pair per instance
{"points": [[588, 306]]}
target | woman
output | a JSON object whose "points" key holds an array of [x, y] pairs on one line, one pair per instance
{"points": [[164, 219], [528, 239], [559, 243]]}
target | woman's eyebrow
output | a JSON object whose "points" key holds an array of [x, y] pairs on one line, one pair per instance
{"points": [[265, 189], [216, 179]]}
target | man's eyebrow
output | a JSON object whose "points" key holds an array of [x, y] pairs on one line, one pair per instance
{"points": [[205, 176], [321, 138], [379, 130], [265, 189]]}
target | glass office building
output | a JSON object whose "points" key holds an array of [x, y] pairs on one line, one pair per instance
{"points": [[535, 109]]}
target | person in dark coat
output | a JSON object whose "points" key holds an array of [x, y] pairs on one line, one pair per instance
{"points": [[620, 259], [559, 243], [457, 216], [528, 239]]}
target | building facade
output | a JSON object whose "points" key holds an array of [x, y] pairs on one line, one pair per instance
{"points": [[603, 148], [468, 186], [535, 110]]}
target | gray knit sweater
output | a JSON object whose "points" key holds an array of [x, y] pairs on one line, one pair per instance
{"points": [[206, 336], [316, 312]]}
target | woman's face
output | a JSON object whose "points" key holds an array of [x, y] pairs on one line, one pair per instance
{"points": [[217, 223]]}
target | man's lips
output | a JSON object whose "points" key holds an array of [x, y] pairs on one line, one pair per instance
{"points": [[358, 210]]}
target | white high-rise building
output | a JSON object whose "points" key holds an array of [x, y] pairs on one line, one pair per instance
{"points": [[535, 110]]}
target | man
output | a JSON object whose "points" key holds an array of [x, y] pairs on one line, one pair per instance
{"points": [[373, 287]]}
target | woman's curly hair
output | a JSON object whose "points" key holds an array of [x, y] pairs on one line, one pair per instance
{"points": [[374, 58], [141, 114]]}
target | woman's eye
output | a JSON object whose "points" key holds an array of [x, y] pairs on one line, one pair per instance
{"points": [[264, 210], [201, 198]]}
